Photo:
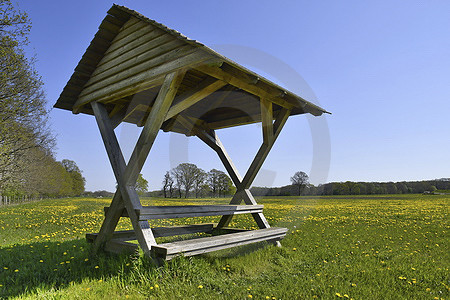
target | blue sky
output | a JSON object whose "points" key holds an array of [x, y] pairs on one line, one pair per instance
{"points": [[381, 67]]}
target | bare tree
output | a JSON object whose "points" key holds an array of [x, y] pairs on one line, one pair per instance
{"points": [[300, 179]]}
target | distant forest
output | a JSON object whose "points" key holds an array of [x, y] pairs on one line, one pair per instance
{"points": [[357, 188]]}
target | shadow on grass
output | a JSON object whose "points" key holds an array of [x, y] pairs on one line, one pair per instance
{"points": [[24, 268]]}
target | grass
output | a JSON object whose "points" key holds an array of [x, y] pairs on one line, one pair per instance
{"points": [[358, 247]]}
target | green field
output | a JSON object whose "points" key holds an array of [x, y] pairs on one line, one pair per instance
{"points": [[355, 247]]}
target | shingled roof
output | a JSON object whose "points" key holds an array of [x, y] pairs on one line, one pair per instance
{"points": [[126, 62]]}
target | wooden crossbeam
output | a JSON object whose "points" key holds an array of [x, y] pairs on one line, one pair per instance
{"points": [[189, 98]]}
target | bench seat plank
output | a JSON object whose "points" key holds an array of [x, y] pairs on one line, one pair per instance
{"points": [[208, 244]]}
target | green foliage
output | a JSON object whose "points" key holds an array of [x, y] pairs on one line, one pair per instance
{"points": [[141, 185], [360, 247], [76, 178]]}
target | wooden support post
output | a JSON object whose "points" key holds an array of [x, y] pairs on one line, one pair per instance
{"points": [[243, 192], [126, 176], [267, 120], [109, 223]]}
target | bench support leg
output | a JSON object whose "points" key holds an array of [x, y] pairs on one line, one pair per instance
{"points": [[126, 175]]}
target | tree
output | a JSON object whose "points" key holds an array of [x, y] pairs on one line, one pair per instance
{"points": [[167, 184], [219, 183], [300, 179], [185, 174], [141, 185], [77, 179], [199, 180], [213, 181], [23, 113]]}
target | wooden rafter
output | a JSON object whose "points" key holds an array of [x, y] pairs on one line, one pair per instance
{"points": [[189, 98]]}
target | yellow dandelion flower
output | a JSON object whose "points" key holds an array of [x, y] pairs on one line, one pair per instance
{"points": [[294, 249], [86, 259], [97, 267], [250, 296], [156, 286], [16, 270], [200, 286]]}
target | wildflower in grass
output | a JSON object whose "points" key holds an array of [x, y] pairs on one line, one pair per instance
{"points": [[200, 286], [250, 296], [41, 261], [86, 259], [338, 295], [156, 286], [97, 267], [6, 268], [16, 270], [295, 249]]}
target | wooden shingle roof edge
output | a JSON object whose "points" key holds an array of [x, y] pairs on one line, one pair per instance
{"points": [[116, 17]]}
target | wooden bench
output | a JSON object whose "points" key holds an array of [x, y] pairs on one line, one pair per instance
{"points": [[197, 246], [185, 211]]}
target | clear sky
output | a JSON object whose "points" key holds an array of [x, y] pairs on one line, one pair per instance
{"points": [[381, 67]]}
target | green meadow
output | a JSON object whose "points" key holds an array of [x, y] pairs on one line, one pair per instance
{"points": [[351, 247]]}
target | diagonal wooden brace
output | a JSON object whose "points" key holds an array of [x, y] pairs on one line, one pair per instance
{"points": [[126, 175], [243, 192], [270, 133]]}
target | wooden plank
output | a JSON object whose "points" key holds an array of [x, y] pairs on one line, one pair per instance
{"points": [[165, 231], [129, 28], [161, 45], [182, 230], [267, 120], [186, 211], [170, 212], [153, 124], [138, 82], [121, 235], [189, 98], [101, 82], [148, 40], [208, 244]]}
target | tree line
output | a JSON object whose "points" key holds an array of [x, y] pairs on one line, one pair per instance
{"points": [[355, 188], [188, 180], [27, 163]]}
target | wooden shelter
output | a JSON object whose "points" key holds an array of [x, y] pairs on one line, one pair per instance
{"points": [[138, 71]]}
